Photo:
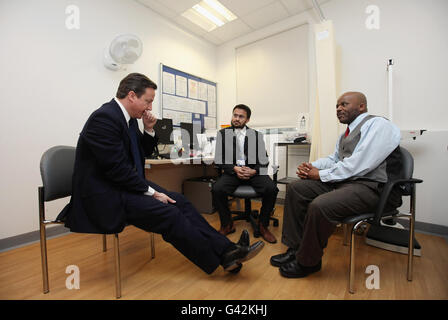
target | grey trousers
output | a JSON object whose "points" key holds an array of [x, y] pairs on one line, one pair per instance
{"points": [[313, 208]]}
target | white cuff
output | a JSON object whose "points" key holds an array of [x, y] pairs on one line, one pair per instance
{"points": [[151, 133], [150, 192]]}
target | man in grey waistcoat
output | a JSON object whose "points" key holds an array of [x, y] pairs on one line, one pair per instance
{"points": [[346, 183]]}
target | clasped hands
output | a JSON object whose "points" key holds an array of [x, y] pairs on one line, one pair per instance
{"points": [[244, 173], [307, 171]]}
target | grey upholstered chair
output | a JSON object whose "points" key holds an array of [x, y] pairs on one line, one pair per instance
{"points": [[406, 185], [56, 168]]}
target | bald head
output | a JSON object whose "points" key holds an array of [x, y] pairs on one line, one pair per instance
{"points": [[359, 96], [350, 105]]}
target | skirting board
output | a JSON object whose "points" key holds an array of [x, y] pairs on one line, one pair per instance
{"points": [[31, 237]]}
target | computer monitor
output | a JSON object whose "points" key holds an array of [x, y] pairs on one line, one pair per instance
{"points": [[188, 134], [164, 130]]}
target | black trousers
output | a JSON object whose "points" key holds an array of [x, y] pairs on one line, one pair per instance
{"points": [[180, 224], [227, 184], [313, 208]]}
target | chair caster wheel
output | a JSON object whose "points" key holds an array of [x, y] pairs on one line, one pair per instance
{"points": [[256, 234], [275, 223]]}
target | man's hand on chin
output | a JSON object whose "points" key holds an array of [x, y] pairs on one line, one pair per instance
{"points": [[149, 120]]}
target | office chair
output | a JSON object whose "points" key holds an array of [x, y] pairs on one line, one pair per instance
{"points": [[406, 185], [56, 168], [248, 193]]}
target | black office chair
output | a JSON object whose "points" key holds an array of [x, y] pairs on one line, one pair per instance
{"points": [[406, 185], [56, 168], [248, 193]]}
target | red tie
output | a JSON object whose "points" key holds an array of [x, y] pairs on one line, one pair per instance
{"points": [[347, 132]]}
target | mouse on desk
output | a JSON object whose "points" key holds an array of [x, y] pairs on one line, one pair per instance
{"points": [[299, 139]]}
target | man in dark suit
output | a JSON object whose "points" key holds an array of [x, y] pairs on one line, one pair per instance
{"points": [[110, 189], [241, 154]]}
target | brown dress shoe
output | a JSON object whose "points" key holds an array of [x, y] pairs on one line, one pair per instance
{"points": [[266, 234], [228, 229]]}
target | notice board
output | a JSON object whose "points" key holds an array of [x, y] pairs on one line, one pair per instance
{"points": [[188, 98]]}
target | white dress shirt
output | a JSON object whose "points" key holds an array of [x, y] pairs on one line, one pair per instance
{"points": [[379, 137], [150, 191], [240, 137]]}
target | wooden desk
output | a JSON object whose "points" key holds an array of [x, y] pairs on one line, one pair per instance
{"points": [[170, 173]]}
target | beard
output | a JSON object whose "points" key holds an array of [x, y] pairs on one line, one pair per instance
{"points": [[238, 125]]}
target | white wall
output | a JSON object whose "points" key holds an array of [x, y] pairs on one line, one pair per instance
{"points": [[270, 79], [52, 78], [412, 32], [226, 64]]}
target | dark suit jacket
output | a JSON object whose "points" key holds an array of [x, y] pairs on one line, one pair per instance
{"points": [[104, 170], [254, 150]]}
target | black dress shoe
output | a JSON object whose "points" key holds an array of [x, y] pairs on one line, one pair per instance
{"points": [[236, 269], [239, 254], [294, 269], [280, 259], [244, 238]]}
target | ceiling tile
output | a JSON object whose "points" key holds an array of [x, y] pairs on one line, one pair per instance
{"points": [[297, 6], [213, 39], [179, 6], [253, 14], [267, 15], [231, 30], [190, 26], [159, 8], [244, 7]]}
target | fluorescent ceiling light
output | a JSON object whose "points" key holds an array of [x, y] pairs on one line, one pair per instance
{"points": [[209, 14], [221, 9], [199, 20]]}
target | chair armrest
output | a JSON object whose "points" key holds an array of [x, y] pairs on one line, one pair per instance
{"points": [[275, 169], [386, 193]]}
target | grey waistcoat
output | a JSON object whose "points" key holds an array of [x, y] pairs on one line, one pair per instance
{"points": [[347, 146]]}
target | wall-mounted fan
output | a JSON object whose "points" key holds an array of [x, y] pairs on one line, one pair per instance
{"points": [[124, 49]]}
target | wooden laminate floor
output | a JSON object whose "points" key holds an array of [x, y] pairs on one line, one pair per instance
{"points": [[172, 276]]}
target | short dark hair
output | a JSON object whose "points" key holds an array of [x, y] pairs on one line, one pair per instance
{"points": [[136, 82], [243, 107]]}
